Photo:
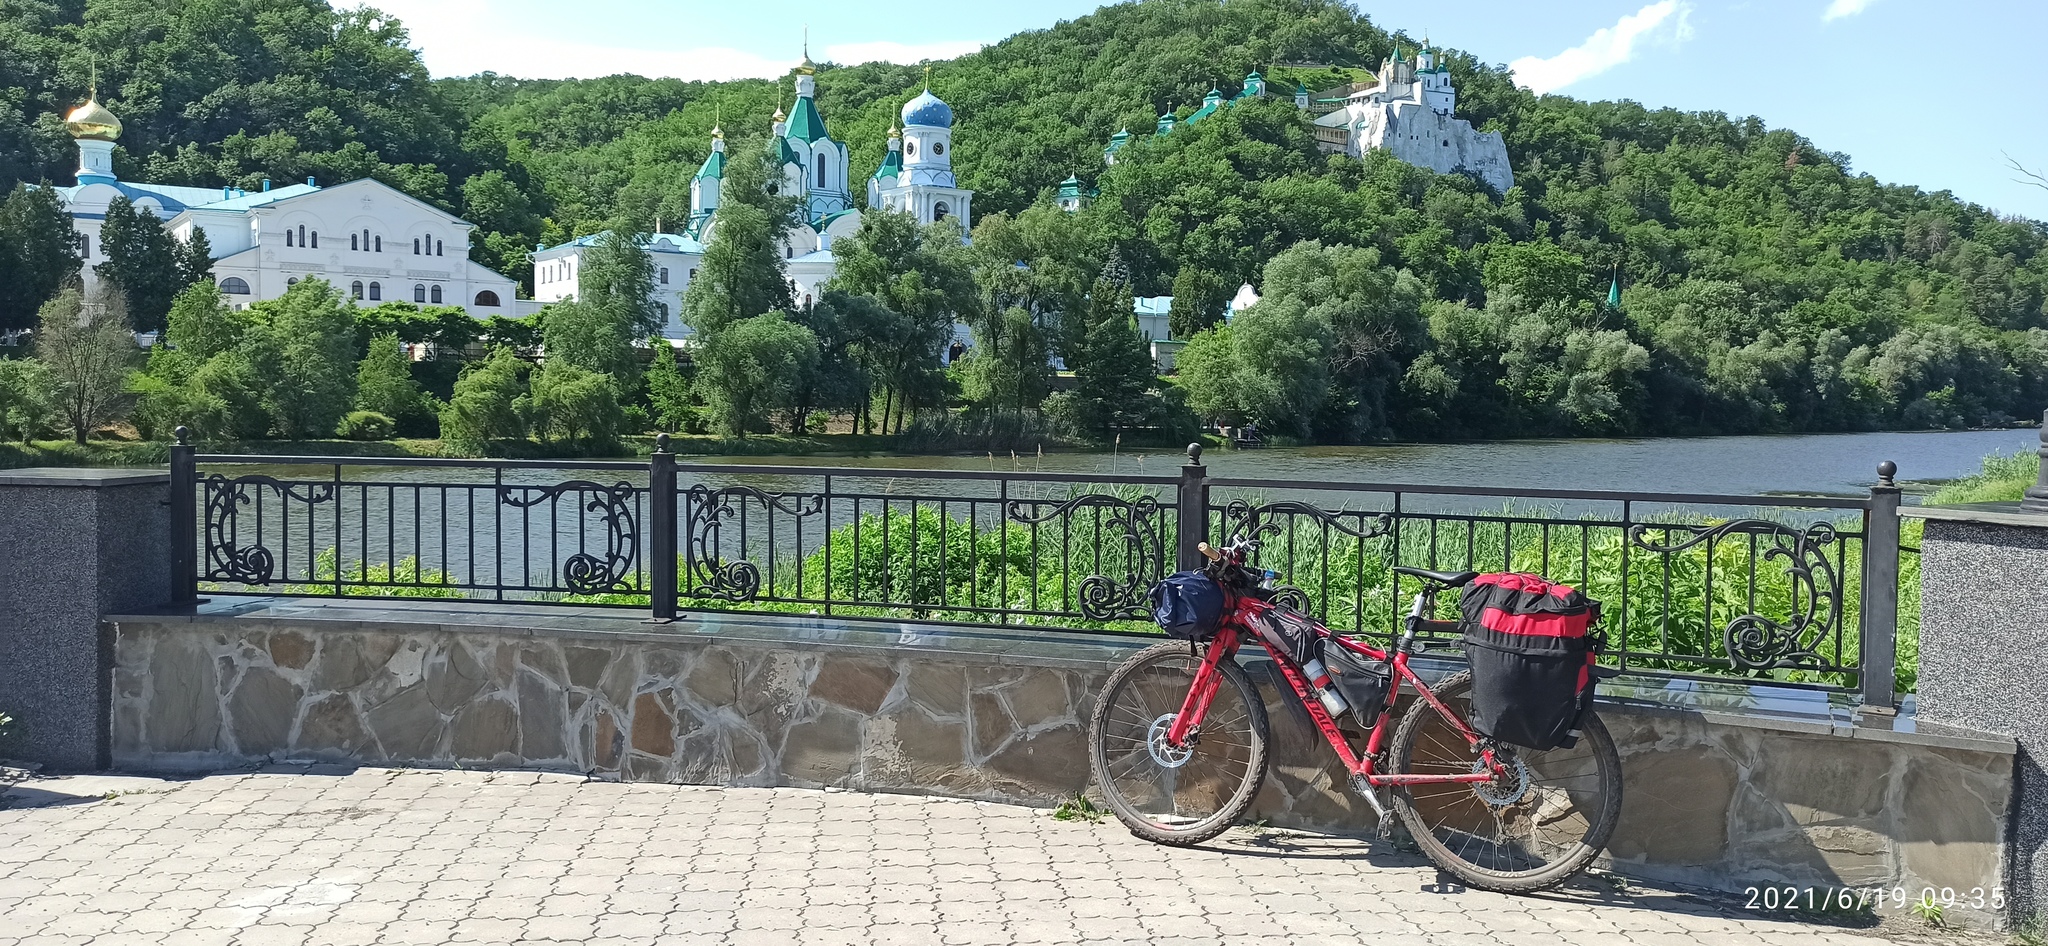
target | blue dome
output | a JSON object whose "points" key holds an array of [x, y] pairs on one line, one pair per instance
{"points": [[926, 109]]}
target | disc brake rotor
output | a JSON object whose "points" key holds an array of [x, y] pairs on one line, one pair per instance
{"points": [[1163, 751], [1506, 788]]}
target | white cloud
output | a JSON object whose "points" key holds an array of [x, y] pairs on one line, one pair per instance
{"points": [[1664, 21], [904, 53], [1842, 8]]}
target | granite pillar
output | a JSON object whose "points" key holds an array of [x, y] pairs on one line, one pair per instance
{"points": [[74, 545], [1984, 657]]}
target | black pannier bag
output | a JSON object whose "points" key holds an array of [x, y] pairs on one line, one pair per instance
{"points": [[1532, 658], [1187, 606], [1362, 680]]}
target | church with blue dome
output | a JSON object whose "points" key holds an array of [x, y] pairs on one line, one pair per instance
{"points": [[915, 178]]}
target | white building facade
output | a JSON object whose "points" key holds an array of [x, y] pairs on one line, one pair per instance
{"points": [[1410, 112], [374, 243]]}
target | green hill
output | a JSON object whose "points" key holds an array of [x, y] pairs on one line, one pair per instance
{"points": [[1768, 286]]}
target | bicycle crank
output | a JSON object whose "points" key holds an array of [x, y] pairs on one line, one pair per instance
{"points": [[1362, 786]]}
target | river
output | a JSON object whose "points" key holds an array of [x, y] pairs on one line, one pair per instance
{"points": [[1791, 464]]}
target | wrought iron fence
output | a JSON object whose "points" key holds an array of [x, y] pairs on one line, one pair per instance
{"points": [[1802, 589]]}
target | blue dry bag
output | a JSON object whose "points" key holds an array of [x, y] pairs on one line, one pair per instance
{"points": [[1188, 606]]}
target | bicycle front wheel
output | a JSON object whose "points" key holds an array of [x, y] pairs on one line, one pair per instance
{"points": [[1530, 829], [1177, 794]]}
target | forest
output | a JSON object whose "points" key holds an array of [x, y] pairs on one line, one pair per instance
{"points": [[1765, 285]]}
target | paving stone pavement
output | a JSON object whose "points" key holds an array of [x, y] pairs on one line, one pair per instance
{"points": [[354, 857]]}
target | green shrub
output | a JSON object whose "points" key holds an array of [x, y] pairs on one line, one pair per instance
{"points": [[366, 425]]}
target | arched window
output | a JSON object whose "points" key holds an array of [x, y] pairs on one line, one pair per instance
{"points": [[807, 300], [355, 289], [419, 292], [376, 291], [664, 275], [415, 246], [85, 245], [939, 211], [352, 242], [366, 238], [821, 174], [234, 286], [439, 247], [693, 274], [316, 239], [662, 308], [302, 234], [435, 295], [288, 237], [292, 281], [487, 299], [380, 244]]}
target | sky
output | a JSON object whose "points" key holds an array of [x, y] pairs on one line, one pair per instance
{"points": [[1940, 95]]}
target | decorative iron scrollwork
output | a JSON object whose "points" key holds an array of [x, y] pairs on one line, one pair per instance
{"points": [[582, 572], [708, 573], [1754, 641], [1243, 518], [1105, 597], [226, 558]]}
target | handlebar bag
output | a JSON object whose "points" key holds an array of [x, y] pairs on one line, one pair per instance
{"points": [[1187, 606], [1532, 658]]}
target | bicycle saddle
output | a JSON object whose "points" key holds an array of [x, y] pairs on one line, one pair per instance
{"points": [[1447, 579]]}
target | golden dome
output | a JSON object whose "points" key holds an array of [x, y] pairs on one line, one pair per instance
{"points": [[92, 120]]}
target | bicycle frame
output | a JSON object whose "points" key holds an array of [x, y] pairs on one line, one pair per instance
{"points": [[1246, 609]]}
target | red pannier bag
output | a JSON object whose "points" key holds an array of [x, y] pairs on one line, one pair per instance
{"points": [[1532, 658]]}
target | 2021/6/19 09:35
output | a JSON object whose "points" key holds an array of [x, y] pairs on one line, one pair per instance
{"points": [[1846, 899]]}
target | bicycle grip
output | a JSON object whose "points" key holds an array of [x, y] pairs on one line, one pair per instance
{"points": [[1210, 552]]}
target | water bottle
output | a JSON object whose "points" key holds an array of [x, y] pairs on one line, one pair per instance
{"points": [[1319, 679]]}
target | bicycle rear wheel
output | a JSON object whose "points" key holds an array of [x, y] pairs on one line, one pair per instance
{"points": [[1177, 795], [1530, 830]]}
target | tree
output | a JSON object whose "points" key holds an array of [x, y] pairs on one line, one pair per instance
{"points": [[1116, 378], [90, 352], [741, 274], [485, 406], [384, 384], [305, 349], [1375, 327], [194, 259], [1270, 367], [748, 371], [1007, 372], [572, 404], [617, 279], [1199, 298], [141, 260], [201, 324], [669, 390], [39, 254], [1537, 273], [920, 280], [28, 398], [592, 337]]}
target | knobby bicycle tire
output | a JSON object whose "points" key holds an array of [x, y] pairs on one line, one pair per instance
{"points": [[1593, 738], [1241, 798]]}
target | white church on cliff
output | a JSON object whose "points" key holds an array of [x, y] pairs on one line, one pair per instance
{"points": [[1410, 112]]}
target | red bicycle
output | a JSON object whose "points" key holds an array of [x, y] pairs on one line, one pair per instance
{"points": [[1179, 741]]}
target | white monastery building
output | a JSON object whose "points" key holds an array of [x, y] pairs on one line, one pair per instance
{"points": [[916, 177], [1409, 112], [367, 239]]}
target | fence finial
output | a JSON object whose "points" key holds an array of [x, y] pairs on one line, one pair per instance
{"points": [[2036, 497], [661, 443], [1195, 452], [184, 435], [1885, 472]]}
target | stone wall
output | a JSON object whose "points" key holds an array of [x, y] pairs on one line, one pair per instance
{"points": [[74, 544], [1984, 655], [1710, 800]]}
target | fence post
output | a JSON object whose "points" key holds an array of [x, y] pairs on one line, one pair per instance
{"points": [[1880, 654], [2036, 499], [661, 544], [184, 520], [1194, 510]]}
